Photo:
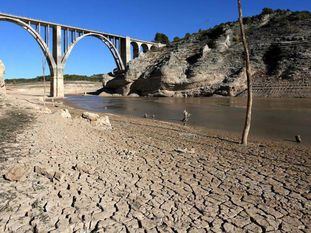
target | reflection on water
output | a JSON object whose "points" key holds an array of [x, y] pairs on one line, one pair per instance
{"points": [[275, 118]]}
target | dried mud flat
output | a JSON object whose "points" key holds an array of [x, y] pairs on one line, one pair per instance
{"points": [[146, 176]]}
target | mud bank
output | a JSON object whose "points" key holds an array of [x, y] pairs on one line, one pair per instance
{"points": [[149, 176]]}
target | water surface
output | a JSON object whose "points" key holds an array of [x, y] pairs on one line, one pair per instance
{"points": [[277, 118]]}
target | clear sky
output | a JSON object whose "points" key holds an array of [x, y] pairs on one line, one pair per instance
{"points": [[135, 18]]}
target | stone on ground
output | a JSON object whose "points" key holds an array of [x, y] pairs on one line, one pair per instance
{"points": [[65, 113], [104, 121], [90, 116], [16, 173], [46, 110], [2, 85], [97, 120]]}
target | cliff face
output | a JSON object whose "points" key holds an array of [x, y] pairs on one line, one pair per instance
{"points": [[2, 86], [211, 62]]}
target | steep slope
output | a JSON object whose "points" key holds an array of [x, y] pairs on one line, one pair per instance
{"points": [[211, 62]]}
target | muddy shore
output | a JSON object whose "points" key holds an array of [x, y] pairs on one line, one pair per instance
{"points": [[143, 176]]}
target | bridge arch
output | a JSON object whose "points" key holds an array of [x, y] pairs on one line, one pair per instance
{"points": [[104, 39], [154, 48], [38, 39], [134, 50], [144, 48]]}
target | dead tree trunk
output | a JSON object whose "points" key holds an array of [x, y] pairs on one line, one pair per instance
{"points": [[248, 117]]}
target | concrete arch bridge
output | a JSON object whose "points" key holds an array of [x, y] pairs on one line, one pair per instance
{"points": [[57, 41]]}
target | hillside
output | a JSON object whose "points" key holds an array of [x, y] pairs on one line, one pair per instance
{"points": [[211, 61]]}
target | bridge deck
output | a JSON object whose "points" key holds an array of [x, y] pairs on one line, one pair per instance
{"points": [[83, 30]]}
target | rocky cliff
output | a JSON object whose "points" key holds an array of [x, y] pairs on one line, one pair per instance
{"points": [[2, 86], [211, 61]]}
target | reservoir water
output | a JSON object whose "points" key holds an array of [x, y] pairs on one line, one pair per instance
{"points": [[277, 118]]}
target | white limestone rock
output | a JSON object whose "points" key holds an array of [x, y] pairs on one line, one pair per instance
{"points": [[90, 116], [2, 84], [16, 173], [206, 50], [45, 110], [65, 113], [97, 120], [104, 122]]}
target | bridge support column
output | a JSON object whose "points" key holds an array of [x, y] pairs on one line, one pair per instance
{"points": [[125, 50], [57, 82], [57, 79]]}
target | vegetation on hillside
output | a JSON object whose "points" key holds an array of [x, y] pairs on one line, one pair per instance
{"points": [[67, 77], [283, 20], [161, 38]]}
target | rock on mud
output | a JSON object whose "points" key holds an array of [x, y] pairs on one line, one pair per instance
{"points": [[44, 172], [96, 120], [46, 110], [16, 173], [104, 121], [90, 116], [65, 113]]}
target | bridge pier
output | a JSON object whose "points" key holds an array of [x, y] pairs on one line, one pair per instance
{"points": [[57, 83], [57, 77], [125, 50]]}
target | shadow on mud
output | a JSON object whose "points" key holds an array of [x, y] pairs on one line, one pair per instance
{"points": [[13, 122]]}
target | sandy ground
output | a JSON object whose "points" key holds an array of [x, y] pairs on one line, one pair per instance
{"points": [[37, 88], [144, 176]]}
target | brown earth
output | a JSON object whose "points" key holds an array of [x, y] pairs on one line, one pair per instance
{"points": [[144, 176]]}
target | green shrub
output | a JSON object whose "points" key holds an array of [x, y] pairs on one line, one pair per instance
{"points": [[215, 32], [187, 35], [67, 77], [299, 15], [161, 38], [266, 11], [176, 39]]}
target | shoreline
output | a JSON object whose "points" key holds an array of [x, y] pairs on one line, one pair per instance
{"points": [[146, 175], [203, 129], [96, 85]]}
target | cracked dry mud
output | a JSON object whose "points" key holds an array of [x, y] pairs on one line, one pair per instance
{"points": [[134, 178]]}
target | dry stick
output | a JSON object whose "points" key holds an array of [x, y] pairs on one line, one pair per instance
{"points": [[248, 118]]}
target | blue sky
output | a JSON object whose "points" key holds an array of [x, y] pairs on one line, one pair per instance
{"points": [[135, 18]]}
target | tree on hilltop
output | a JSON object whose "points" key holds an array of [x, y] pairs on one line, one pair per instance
{"points": [[161, 38], [176, 39], [266, 11], [187, 35]]}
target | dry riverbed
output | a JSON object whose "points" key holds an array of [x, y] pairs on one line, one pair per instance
{"points": [[37, 88], [143, 176]]}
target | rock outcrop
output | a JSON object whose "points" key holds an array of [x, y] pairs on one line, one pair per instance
{"points": [[2, 85], [97, 120], [211, 61]]}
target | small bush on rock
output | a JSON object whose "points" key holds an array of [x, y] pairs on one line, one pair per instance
{"points": [[267, 11]]}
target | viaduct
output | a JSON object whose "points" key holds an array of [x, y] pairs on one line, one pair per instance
{"points": [[57, 41]]}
